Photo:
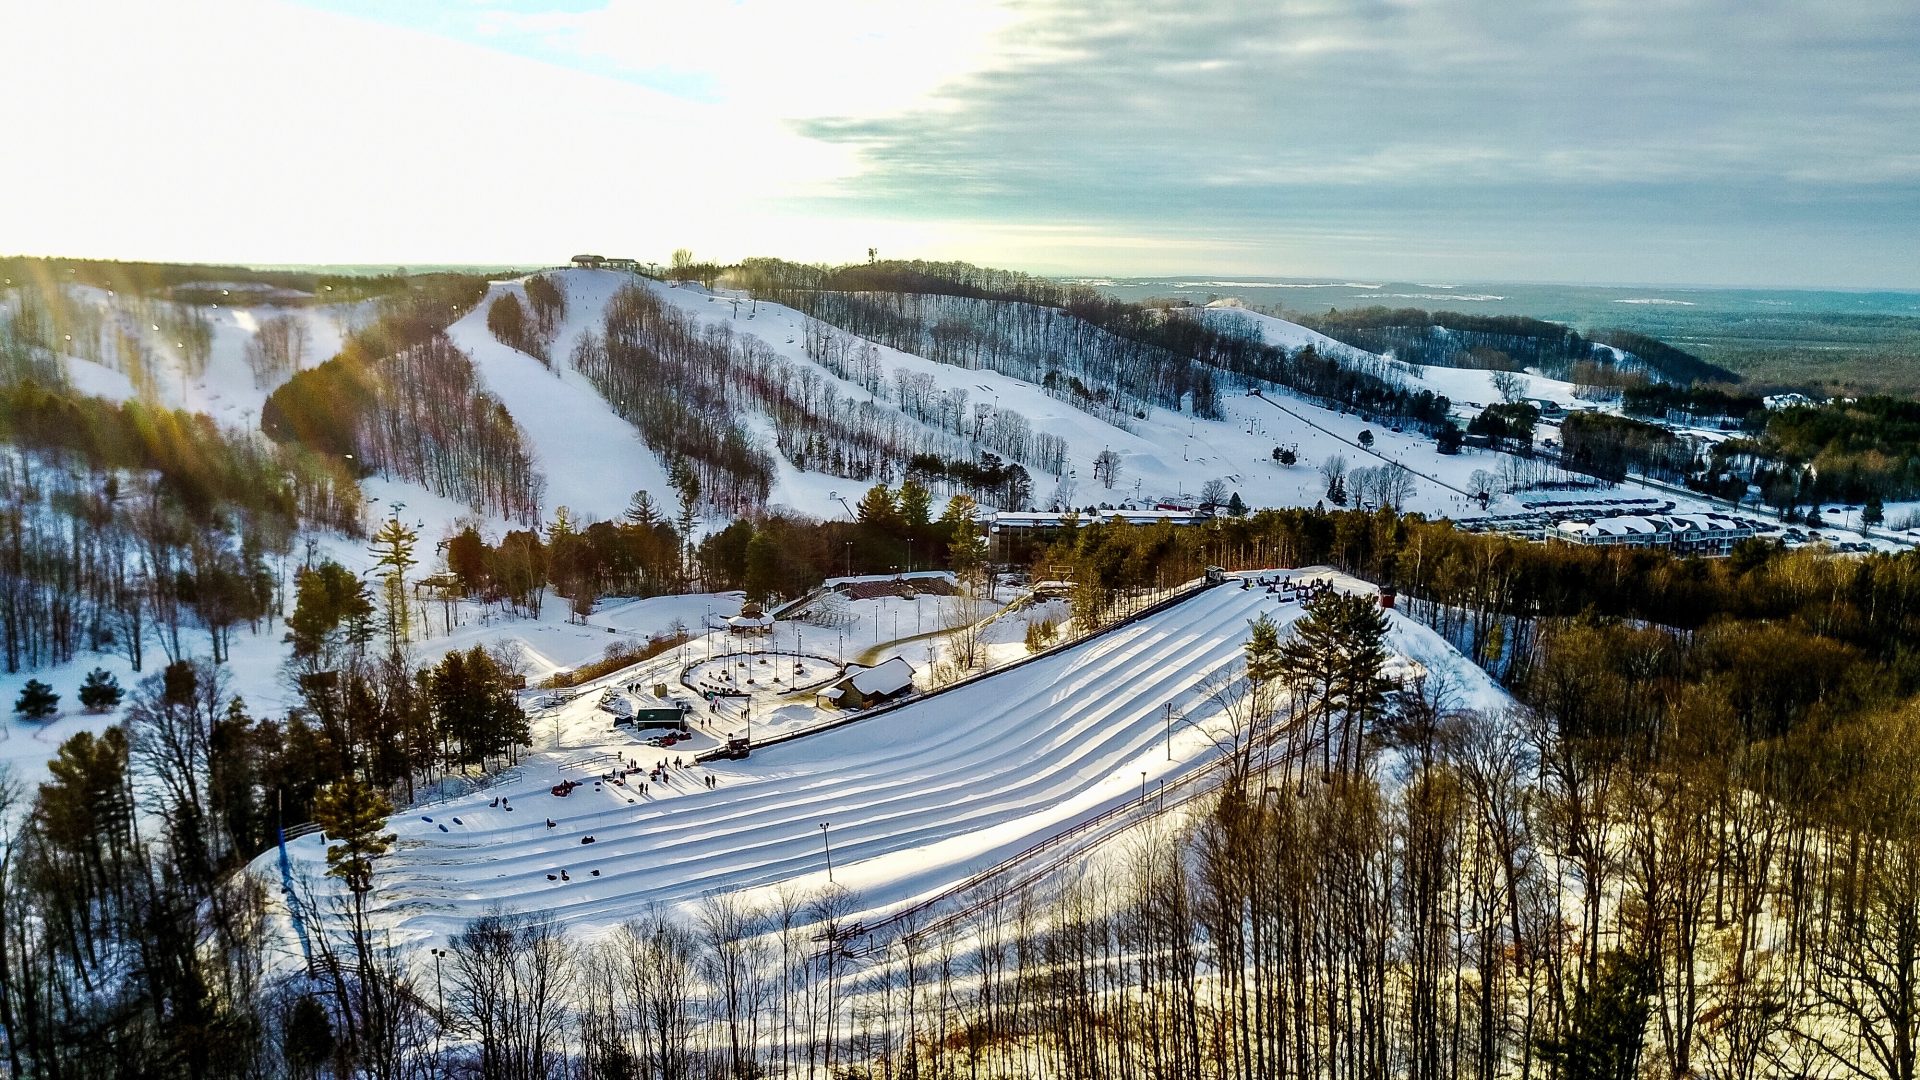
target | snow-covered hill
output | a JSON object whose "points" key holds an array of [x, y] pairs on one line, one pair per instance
{"points": [[120, 344], [592, 459], [1469, 387], [1165, 456]]}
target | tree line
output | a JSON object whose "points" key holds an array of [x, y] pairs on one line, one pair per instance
{"points": [[670, 378], [529, 327]]}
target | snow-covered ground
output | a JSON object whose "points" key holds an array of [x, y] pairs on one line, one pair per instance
{"points": [[911, 801]]}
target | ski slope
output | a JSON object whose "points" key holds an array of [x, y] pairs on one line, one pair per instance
{"points": [[592, 459], [225, 389], [913, 800], [1164, 456]]}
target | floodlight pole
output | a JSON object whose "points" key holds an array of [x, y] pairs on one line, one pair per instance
{"points": [[824, 843]]}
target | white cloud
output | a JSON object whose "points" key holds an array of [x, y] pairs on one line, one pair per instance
{"points": [[787, 58]]}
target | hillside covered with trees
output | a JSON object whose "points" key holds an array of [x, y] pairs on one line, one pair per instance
{"points": [[1452, 339]]}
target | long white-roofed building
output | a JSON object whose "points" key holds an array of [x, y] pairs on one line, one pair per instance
{"points": [[1691, 534]]}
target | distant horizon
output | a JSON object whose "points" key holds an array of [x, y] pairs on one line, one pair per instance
{"points": [[1197, 278]]}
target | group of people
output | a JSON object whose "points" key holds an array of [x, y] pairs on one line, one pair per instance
{"points": [[661, 773], [1288, 590]]}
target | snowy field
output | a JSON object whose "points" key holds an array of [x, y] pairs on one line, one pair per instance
{"points": [[912, 800]]}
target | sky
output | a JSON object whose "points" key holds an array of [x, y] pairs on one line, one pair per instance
{"points": [[1727, 142]]}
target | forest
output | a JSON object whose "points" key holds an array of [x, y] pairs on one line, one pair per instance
{"points": [[120, 524], [1612, 447], [402, 401]]}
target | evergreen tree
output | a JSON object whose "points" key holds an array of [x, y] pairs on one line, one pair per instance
{"points": [[37, 701], [1236, 506], [967, 552], [915, 505], [687, 485], [393, 553], [642, 511], [1265, 665], [332, 613], [352, 814], [1604, 1034], [763, 568], [1336, 655], [86, 805], [474, 707], [306, 1038], [1875, 511], [467, 560], [878, 510], [100, 691]]}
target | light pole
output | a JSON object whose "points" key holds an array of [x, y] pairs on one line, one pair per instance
{"points": [[824, 843], [849, 558], [439, 984], [1169, 731], [1143, 785], [909, 555], [440, 992]]}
